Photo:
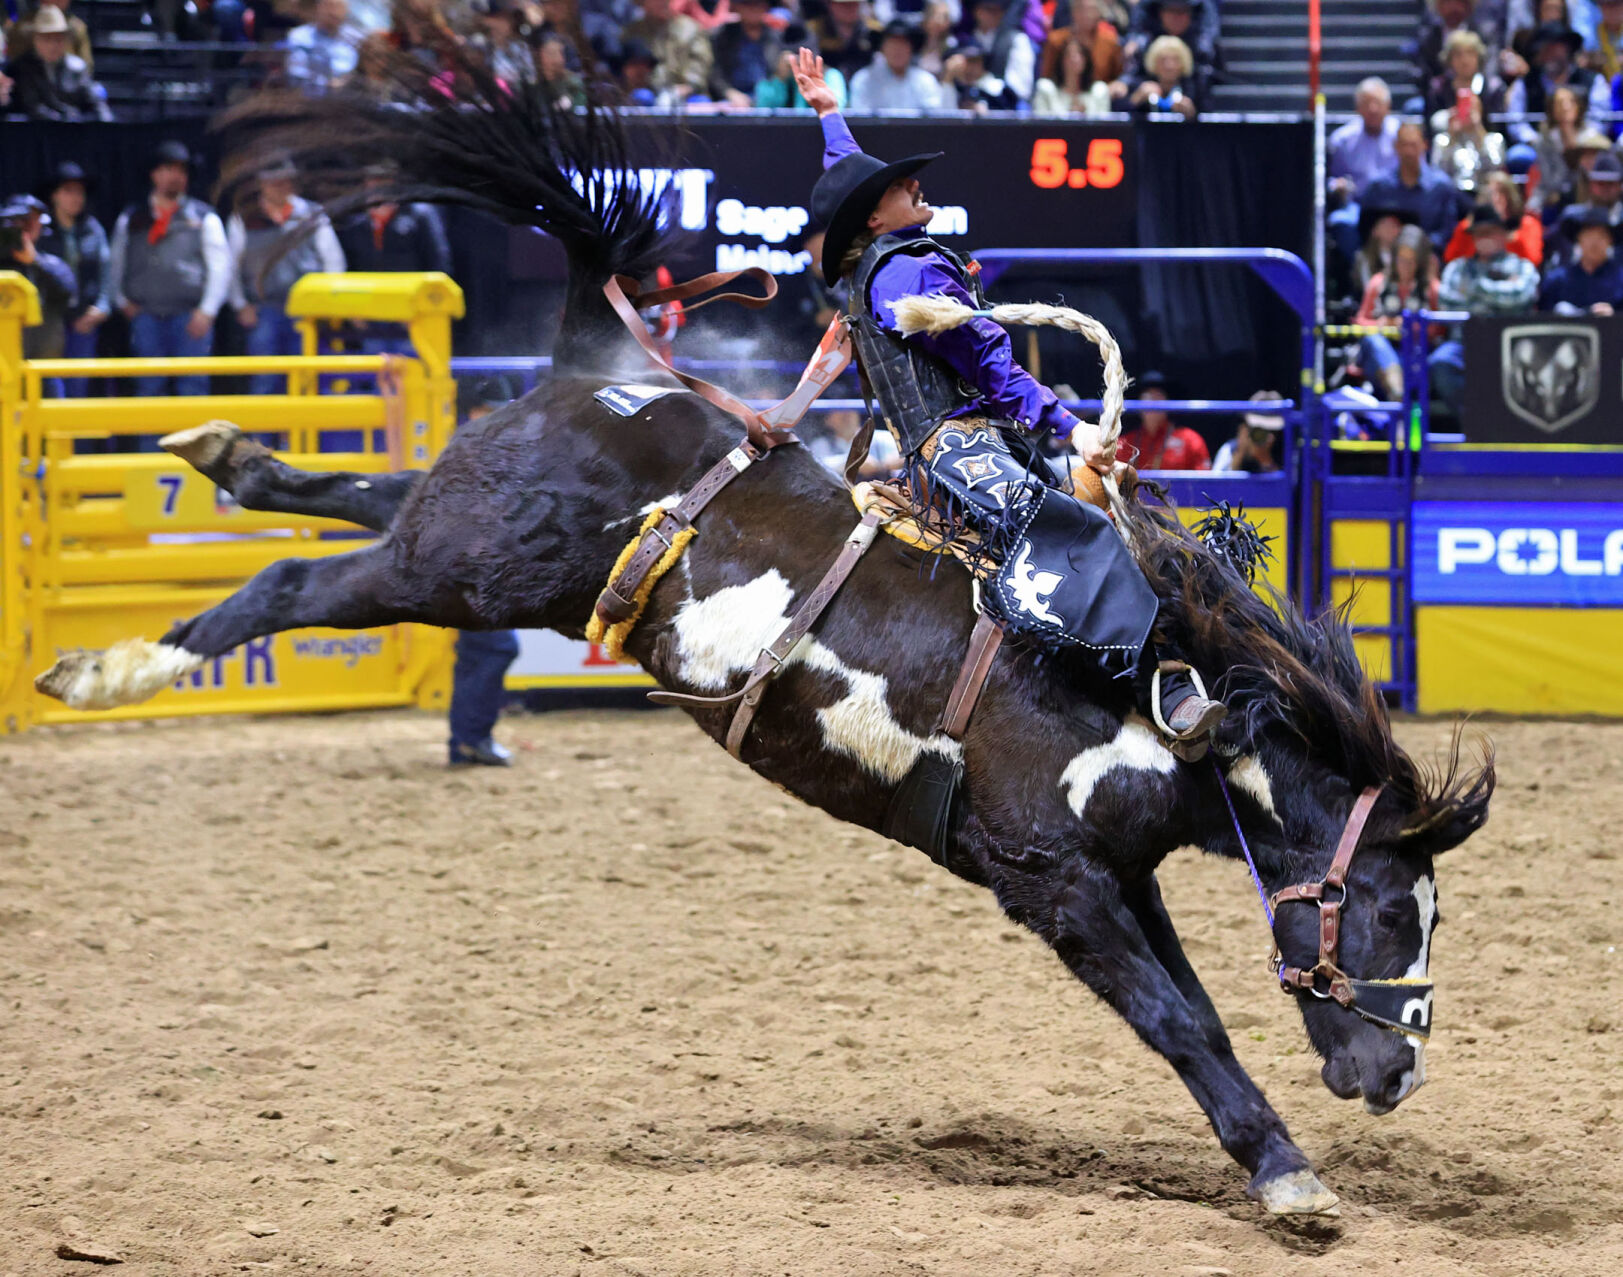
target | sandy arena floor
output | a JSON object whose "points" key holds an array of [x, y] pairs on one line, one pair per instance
{"points": [[284, 995]]}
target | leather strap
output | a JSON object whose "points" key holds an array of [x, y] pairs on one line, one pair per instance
{"points": [[616, 602], [984, 641], [624, 294], [703, 284], [772, 657]]}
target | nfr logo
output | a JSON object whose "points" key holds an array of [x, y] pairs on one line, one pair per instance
{"points": [[1526, 554], [1527, 551]]}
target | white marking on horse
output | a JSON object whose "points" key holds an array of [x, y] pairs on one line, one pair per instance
{"points": [[1247, 773], [1425, 898], [721, 635], [664, 503], [127, 672], [1138, 746]]}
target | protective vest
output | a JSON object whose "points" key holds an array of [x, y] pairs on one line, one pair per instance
{"points": [[914, 390], [169, 277], [261, 236]]}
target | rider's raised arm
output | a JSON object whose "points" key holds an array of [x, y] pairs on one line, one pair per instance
{"points": [[979, 351], [837, 139]]}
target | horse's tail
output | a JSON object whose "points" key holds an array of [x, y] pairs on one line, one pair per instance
{"points": [[458, 135]]}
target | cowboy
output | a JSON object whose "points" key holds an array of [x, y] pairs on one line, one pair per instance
{"points": [[966, 418]]}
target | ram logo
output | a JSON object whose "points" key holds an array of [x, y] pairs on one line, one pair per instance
{"points": [[1551, 373]]}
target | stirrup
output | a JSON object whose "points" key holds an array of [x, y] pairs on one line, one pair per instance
{"points": [[1191, 745]]}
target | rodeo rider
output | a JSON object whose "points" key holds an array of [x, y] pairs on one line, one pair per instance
{"points": [[965, 416]]}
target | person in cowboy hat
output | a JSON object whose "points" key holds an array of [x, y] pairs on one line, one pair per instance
{"points": [[22, 218], [264, 269], [79, 240], [1593, 283], [893, 81], [966, 419], [1552, 53], [49, 83]]}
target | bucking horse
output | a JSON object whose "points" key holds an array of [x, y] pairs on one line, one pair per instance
{"points": [[1069, 799]]}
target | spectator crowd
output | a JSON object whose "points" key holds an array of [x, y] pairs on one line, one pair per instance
{"points": [[1053, 57], [1495, 187]]}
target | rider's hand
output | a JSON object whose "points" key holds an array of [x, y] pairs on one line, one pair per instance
{"points": [[1088, 440], [809, 76]]}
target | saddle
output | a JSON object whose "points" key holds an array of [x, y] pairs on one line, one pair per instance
{"points": [[921, 809]]}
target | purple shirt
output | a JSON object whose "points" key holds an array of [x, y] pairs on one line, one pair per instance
{"points": [[978, 351], [1356, 154]]}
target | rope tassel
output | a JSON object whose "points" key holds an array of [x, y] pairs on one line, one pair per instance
{"points": [[936, 313]]}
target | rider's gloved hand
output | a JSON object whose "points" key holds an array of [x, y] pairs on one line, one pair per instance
{"points": [[1086, 437]]}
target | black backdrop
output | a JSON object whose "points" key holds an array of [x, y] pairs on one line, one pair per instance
{"points": [[1215, 330]]}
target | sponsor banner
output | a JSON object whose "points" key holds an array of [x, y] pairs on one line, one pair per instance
{"points": [[546, 659], [1518, 553], [1544, 380]]}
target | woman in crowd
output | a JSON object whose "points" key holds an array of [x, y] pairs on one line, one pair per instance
{"points": [[1079, 90], [1526, 229], [1379, 228], [1466, 151], [1102, 40], [1170, 86], [939, 42], [552, 70], [1465, 57], [79, 240], [1410, 283], [1560, 135], [502, 40]]}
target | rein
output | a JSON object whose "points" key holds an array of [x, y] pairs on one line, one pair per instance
{"points": [[1401, 1005]]}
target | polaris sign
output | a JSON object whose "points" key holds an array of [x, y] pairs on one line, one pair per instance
{"points": [[1518, 554]]}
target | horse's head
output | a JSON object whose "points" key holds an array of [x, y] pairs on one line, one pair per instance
{"points": [[1362, 974]]}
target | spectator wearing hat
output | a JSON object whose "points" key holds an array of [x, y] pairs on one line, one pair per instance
{"points": [[1603, 187], [1603, 47], [637, 67], [1493, 281], [1593, 283], [18, 37], [48, 82], [1010, 55], [681, 52], [501, 39], [22, 219], [845, 35], [893, 81], [1379, 228], [1157, 443], [1254, 448], [1554, 48], [275, 241], [1170, 87], [1408, 282], [563, 86], [971, 86], [744, 53], [170, 270], [79, 240], [1079, 90], [321, 54], [780, 91], [1416, 188], [1526, 229]]}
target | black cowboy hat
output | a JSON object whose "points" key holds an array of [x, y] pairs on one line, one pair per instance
{"points": [[1589, 216], [67, 171], [1486, 217], [1369, 214], [1555, 33], [170, 152], [899, 29], [846, 194]]}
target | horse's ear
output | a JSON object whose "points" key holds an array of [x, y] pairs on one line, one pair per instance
{"points": [[1444, 822]]}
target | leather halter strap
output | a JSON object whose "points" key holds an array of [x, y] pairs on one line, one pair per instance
{"points": [[627, 297], [1335, 877]]}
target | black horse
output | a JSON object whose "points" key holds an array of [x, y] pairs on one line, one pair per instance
{"points": [[1070, 800]]}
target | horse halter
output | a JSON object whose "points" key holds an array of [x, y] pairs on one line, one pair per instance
{"points": [[1402, 1005]]}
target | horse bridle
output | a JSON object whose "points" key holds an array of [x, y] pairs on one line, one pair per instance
{"points": [[1402, 1005]]}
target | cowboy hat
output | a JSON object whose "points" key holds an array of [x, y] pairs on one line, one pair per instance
{"points": [[846, 194]]}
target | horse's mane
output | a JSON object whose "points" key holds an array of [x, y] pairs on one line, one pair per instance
{"points": [[1285, 673]]}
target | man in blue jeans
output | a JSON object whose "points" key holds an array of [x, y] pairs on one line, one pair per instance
{"points": [[170, 270], [482, 657]]}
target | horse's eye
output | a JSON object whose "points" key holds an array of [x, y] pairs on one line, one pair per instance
{"points": [[1390, 918]]}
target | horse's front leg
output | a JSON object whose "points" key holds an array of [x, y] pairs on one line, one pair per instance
{"points": [[1098, 934]]}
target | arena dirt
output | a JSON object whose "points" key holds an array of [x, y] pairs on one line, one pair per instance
{"points": [[285, 995]]}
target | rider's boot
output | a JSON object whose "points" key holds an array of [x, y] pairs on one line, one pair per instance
{"points": [[1183, 711]]}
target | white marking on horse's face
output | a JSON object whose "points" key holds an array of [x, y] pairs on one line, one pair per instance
{"points": [[1247, 773], [664, 503], [1425, 898], [721, 635], [1138, 745]]}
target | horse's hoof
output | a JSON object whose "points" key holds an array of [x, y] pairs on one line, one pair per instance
{"points": [[126, 673], [1298, 1193], [202, 446]]}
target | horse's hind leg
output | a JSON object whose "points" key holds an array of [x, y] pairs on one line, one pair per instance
{"points": [[1098, 934], [252, 473], [353, 591]]}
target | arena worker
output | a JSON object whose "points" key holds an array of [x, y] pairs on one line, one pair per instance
{"points": [[967, 420], [1160, 443], [170, 270]]}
